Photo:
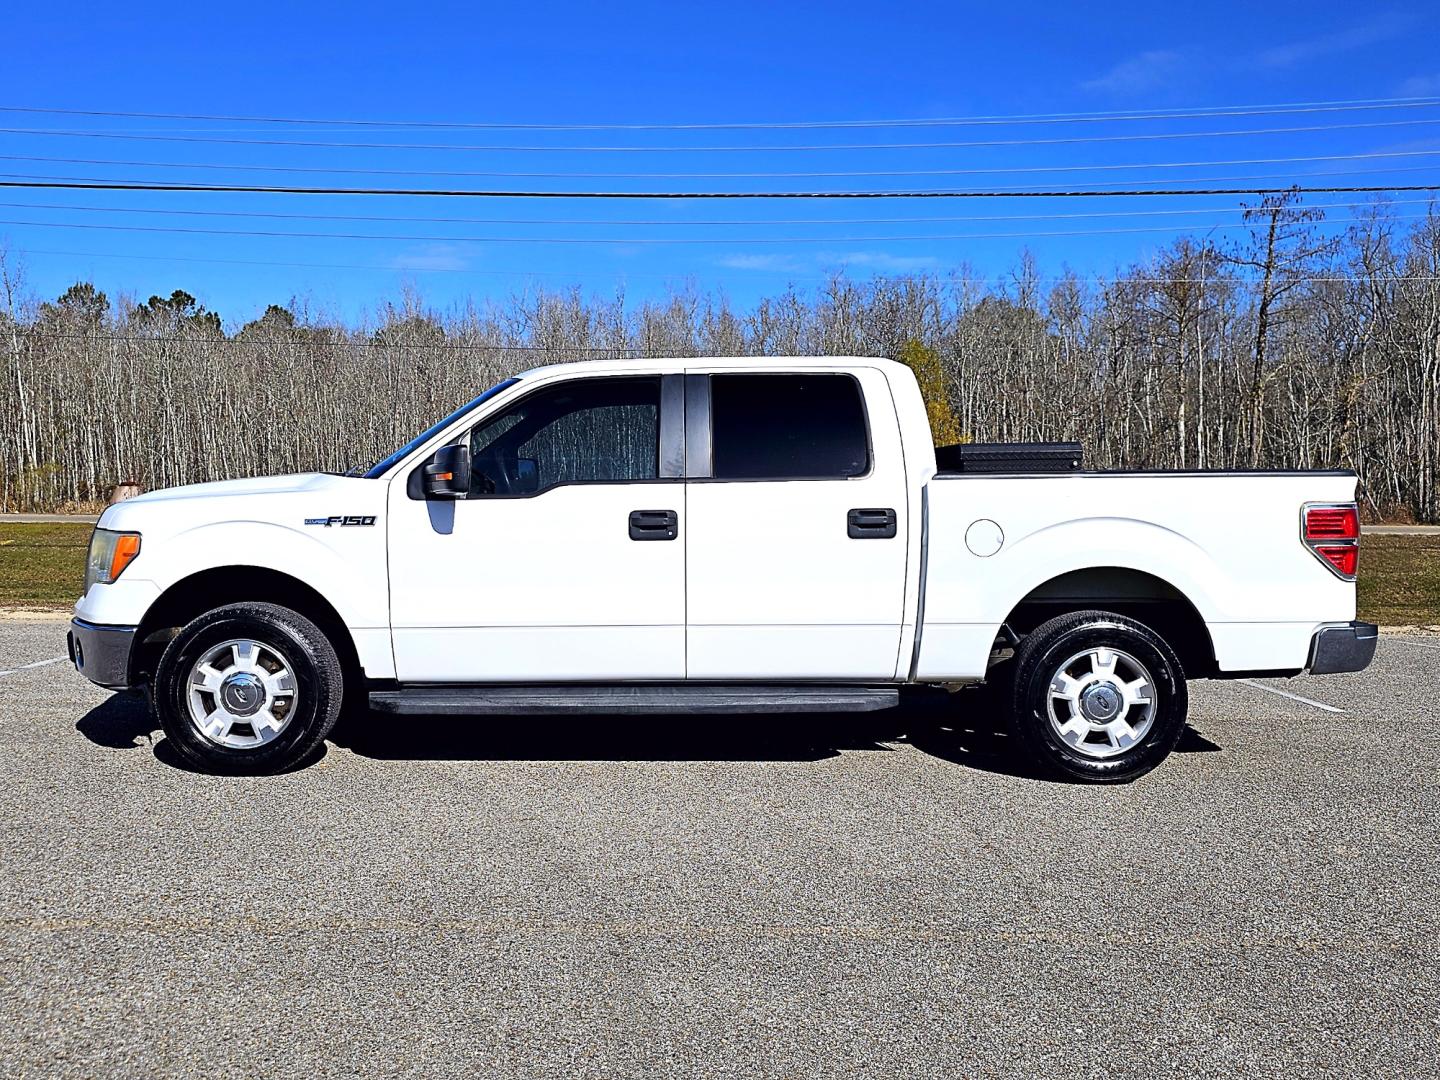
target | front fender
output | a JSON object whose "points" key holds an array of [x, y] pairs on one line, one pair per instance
{"points": [[345, 566]]}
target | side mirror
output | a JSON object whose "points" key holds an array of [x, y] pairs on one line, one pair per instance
{"points": [[448, 474]]}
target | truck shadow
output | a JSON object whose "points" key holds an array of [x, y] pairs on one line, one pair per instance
{"points": [[964, 730], [120, 722], [660, 737], [970, 728], [977, 743], [123, 721]]}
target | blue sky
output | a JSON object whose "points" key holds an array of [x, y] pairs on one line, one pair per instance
{"points": [[541, 63]]}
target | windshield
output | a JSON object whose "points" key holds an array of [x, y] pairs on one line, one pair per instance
{"points": [[380, 468]]}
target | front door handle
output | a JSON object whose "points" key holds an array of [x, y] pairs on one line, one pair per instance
{"points": [[654, 525], [878, 524]]}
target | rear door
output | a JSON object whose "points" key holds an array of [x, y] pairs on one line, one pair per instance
{"points": [[797, 541]]}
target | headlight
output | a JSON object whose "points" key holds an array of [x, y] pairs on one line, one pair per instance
{"points": [[110, 553]]}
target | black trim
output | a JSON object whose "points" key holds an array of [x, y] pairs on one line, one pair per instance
{"points": [[632, 699], [672, 427], [102, 653], [698, 459], [1337, 649]]}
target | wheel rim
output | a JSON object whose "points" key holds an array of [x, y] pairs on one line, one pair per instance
{"points": [[241, 694], [1102, 702]]}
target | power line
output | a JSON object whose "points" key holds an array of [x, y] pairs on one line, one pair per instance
{"points": [[670, 222], [993, 170], [650, 240], [843, 174], [1283, 108], [923, 194], [1006, 189], [469, 148]]}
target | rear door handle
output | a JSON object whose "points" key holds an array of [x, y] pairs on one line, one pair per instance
{"points": [[654, 525], [871, 524]]}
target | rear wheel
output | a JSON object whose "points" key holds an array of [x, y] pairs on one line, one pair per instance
{"points": [[1098, 697], [248, 688]]}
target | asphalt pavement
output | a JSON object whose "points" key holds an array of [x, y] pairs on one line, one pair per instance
{"points": [[884, 896]]}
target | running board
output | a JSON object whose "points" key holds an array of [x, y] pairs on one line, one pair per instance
{"points": [[631, 700]]}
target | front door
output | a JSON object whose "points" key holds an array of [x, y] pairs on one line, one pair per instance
{"points": [[567, 560], [797, 527]]}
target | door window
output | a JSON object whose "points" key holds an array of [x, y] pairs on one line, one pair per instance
{"points": [[787, 427], [586, 431]]}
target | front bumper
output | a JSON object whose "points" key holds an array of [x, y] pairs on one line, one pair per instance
{"points": [[102, 653], [1343, 648]]}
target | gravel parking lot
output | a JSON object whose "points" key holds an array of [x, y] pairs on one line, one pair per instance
{"points": [[880, 896]]}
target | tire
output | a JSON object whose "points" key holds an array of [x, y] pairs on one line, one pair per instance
{"points": [[248, 688], [1098, 698]]}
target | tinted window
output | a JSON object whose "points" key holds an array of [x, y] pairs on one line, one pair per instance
{"points": [[586, 431], [787, 426]]}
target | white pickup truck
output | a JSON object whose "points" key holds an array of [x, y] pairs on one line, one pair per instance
{"points": [[713, 536]]}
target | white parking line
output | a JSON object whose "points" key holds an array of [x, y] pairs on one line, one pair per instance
{"points": [[37, 663], [1292, 697], [1411, 641]]}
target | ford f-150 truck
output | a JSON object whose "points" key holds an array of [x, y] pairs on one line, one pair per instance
{"points": [[713, 536]]}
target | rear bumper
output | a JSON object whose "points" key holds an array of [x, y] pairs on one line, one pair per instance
{"points": [[102, 653], [1343, 648]]}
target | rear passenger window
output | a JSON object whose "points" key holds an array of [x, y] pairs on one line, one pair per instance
{"points": [[787, 427]]}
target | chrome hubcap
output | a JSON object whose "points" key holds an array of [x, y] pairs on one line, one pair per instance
{"points": [[1102, 702], [241, 694]]}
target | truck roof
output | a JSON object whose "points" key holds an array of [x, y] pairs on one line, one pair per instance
{"points": [[686, 363]]}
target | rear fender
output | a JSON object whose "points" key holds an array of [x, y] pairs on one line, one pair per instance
{"points": [[968, 598]]}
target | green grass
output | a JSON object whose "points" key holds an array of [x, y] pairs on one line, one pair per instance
{"points": [[1400, 580], [42, 566]]}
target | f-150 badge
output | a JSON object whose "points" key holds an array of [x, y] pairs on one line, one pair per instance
{"points": [[339, 519]]}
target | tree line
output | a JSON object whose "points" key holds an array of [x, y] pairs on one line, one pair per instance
{"points": [[1295, 347]]}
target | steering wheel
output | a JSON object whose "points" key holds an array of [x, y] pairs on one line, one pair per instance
{"points": [[497, 473]]}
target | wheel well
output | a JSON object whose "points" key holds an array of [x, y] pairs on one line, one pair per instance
{"points": [[193, 596], [1132, 593]]}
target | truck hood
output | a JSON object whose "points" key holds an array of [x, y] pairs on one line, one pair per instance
{"points": [[257, 485], [290, 501]]}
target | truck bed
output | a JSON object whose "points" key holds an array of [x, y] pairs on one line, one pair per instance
{"points": [[1228, 541]]}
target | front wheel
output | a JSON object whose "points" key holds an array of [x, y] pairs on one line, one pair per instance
{"points": [[1098, 697], [248, 688]]}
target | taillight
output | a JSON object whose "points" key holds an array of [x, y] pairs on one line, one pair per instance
{"points": [[1332, 532], [1332, 523]]}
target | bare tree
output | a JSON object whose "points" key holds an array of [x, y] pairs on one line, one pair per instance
{"points": [[1295, 350]]}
